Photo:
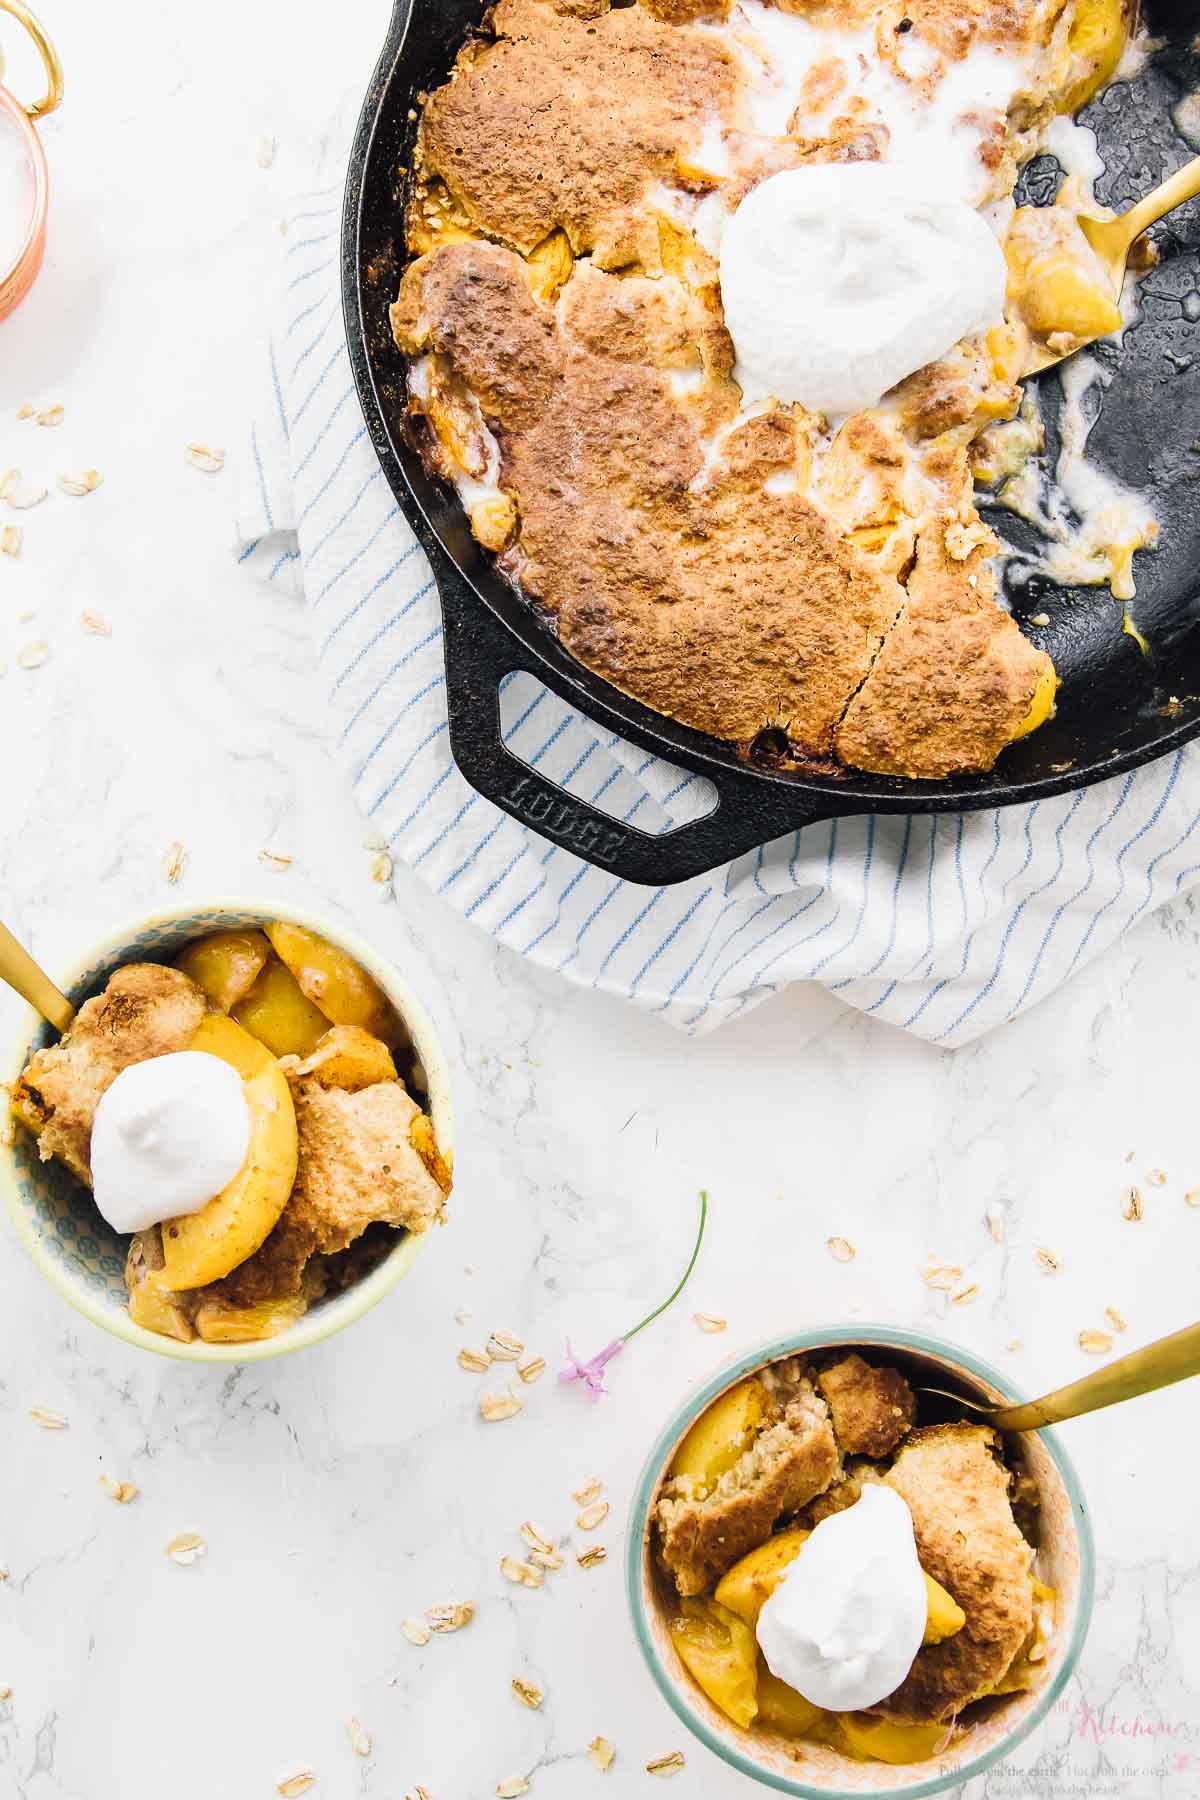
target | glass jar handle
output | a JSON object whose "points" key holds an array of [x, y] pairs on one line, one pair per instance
{"points": [[49, 55]]}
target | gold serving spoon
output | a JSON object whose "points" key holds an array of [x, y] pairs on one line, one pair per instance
{"points": [[1113, 239], [1155, 1365], [20, 971]]}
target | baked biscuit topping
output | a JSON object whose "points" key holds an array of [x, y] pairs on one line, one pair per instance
{"points": [[740, 568], [793, 1446]]}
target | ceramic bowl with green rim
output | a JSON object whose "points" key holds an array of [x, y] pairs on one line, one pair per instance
{"points": [[55, 1218], [818, 1771]]}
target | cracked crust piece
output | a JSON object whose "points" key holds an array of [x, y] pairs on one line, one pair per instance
{"points": [[789, 1462], [871, 1408], [145, 1011], [957, 1489], [955, 681], [358, 1163]]}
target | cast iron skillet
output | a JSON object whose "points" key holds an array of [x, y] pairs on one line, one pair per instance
{"points": [[1116, 708]]}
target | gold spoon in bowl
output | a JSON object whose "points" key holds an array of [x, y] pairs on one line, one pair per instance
{"points": [[1113, 239], [1155, 1365], [20, 971]]}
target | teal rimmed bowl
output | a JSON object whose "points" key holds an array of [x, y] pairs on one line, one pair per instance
{"points": [[816, 1771], [77, 1251]]}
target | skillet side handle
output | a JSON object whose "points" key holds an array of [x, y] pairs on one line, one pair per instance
{"points": [[479, 653]]}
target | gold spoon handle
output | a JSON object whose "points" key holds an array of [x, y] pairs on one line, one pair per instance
{"points": [[1156, 1365], [20, 971], [1119, 234]]}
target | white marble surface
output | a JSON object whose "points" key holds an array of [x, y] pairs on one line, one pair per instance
{"points": [[344, 1489]]}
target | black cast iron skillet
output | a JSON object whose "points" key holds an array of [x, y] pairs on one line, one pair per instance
{"points": [[1116, 709]]}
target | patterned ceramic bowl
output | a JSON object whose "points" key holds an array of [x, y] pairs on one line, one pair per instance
{"points": [[80, 1255], [816, 1771]]}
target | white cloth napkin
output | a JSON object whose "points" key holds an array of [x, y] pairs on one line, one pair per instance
{"points": [[946, 927]]}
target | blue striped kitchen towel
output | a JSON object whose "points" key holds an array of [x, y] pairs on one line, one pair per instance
{"points": [[946, 927]]}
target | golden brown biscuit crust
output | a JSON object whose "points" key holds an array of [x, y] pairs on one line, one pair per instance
{"points": [[953, 682], [357, 1164], [872, 1407], [146, 1010], [957, 1490], [788, 1463]]}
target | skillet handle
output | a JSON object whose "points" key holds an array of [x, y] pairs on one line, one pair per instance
{"points": [[479, 653]]}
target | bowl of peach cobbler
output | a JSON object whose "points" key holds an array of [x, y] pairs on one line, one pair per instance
{"points": [[844, 1584], [241, 1141]]}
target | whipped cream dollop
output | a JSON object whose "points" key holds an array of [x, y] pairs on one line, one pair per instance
{"points": [[841, 279], [844, 1625], [168, 1135]]}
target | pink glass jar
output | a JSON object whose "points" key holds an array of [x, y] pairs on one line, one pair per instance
{"points": [[23, 181]]}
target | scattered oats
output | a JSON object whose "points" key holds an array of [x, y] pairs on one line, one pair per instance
{"points": [[450, 1617], [591, 1490], [593, 1555], [1116, 1319], [47, 1418], [504, 1346], [3, 1574], [374, 840], [95, 622], [1193, 1197], [521, 1574], [495, 1407], [666, 1765], [120, 1491], [81, 482], [33, 655], [1013, 1344], [995, 1224], [527, 1693], [275, 859], [264, 153], [360, 1737], [1157, 1178], [593, 1515], [1095, 1342], [26, 411], [1046, 1260], [474, 1360], [419, 1793], [965, 1295], [186, 1548], [10, 540], [51, 415], [416, 1631], [381, 868], [463, 1316], [1133, 1207], [536, 1538], [21, 494], [205, 458], [512, 1788], [940, 1275], [710, 1321], [532, 1368], [296, 1784], [5, 1693], [601, 1753], [174, 862], [546, 1559], [840, 1248]]}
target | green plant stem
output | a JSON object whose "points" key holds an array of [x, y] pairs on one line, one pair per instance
{"points": [[684, 1279]]}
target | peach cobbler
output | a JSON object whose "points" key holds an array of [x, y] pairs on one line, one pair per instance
{"points": [[247, 1118], [600, 364], [810, 1534]]}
